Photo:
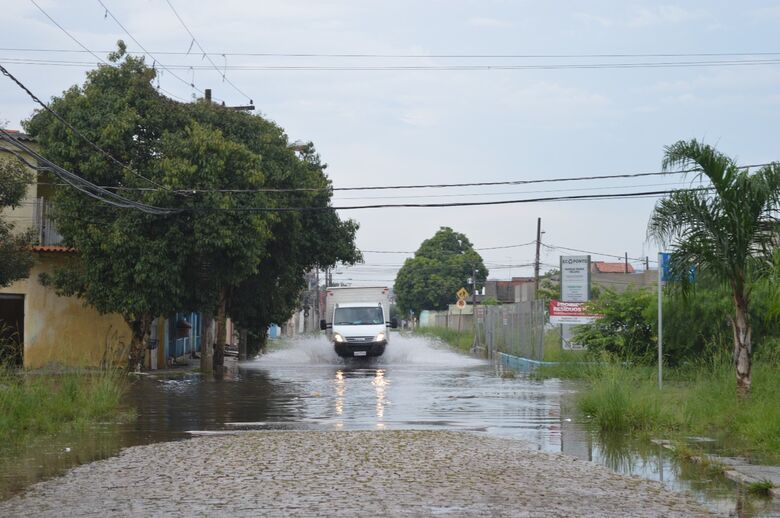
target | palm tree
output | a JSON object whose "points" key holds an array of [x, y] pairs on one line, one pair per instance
{"points": [[725, 228]]}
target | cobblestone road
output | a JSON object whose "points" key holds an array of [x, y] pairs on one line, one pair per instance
{"points": [[383, 473]]}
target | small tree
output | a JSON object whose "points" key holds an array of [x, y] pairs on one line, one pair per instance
{"points": [[15, 257], [626, 327], [727, 231], [441, 266]]}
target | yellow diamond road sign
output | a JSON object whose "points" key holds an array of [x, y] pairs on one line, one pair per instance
{"points": [[462, 293]]}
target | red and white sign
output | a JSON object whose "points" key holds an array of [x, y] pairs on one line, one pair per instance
{"points": [[570, 313]]}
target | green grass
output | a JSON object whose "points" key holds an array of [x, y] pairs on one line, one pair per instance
{"points": [[38, 404], [461, 340], [698, 399], [760, 488], [553, 352]]}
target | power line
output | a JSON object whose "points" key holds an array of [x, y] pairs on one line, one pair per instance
{"points": [[435, 186], [507, 193], [418, 68], [156, 61], [81, 184], [68, 34], [205, 54], [75, 130], [582, 197], [361, 55], [555, 247]]}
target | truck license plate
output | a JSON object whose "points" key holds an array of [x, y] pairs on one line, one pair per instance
{"points": [[359, 353]]}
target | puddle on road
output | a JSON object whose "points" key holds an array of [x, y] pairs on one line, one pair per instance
{"points": [[417, 384]]}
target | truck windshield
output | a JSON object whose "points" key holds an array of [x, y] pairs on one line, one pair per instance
{"points": [[358, 316]]}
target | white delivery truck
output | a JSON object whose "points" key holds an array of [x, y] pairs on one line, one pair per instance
{"points": [[357, 320]]}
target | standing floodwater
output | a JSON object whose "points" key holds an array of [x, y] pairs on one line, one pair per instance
{"points": [[417, 384]]}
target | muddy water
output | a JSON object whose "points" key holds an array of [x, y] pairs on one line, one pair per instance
{"points": [[303, 385]]}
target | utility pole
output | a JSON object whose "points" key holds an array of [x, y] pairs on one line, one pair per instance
{"points": [[248, 107], [317, 299], [475, 344], [536, 261], [626, 262]]}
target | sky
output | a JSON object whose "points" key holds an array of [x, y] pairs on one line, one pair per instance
{"points": [[428, 125]]}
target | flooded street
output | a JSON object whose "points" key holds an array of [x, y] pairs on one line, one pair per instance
{"points": [[417, 385]]}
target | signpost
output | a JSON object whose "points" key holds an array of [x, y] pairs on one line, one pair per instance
{"points": [[575, 287], [570, 313], [663, 275]]}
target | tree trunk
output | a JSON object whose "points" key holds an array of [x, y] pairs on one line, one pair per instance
{"points": [[207, 346], [242, 343], [219, 344], [743, 348], [141, 329], [262, 340]]}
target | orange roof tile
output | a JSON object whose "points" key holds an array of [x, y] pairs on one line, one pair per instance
{"points": [[605, 267], [53, 248]]}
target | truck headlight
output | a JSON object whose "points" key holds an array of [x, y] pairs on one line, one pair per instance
{"points": [[379, 337], [338, 338]]}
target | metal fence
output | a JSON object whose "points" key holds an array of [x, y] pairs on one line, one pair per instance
{"points": [[516, 329]]}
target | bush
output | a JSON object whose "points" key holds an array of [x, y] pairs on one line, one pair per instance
{"points": [[625, 329]]}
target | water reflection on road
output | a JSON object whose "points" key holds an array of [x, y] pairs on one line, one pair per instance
{"points": [[416, 384]]}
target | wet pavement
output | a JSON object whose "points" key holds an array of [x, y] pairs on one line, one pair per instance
{"points": [[416, 385]]}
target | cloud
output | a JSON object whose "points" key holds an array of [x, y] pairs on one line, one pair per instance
{"points": [[663, 15], [593, 19], [489, 22]]}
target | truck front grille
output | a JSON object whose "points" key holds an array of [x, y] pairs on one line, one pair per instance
{"points": [[360, 339]]}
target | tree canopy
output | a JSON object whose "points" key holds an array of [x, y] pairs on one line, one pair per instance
{"points": [[15, 258], [441, 266], [211, 165]]}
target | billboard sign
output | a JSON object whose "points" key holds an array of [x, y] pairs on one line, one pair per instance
{"points": [[575, 278], [570, 313], [665, 268]]}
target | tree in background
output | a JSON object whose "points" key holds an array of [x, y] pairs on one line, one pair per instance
{"points": [[441, 266], [728, 232], [15, 257]]}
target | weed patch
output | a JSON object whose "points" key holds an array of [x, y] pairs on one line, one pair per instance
{"points": [[37, 404]]}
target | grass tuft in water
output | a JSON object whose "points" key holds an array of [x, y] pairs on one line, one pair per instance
{"points": [[697, 399], [461, 340], [44, 403], [761, 488]]}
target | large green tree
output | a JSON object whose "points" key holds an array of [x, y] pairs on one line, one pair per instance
{"points": [[441, 266], [15, 256], [212, 165], [727, 231]]}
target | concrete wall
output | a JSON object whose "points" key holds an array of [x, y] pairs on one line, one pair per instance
{"points": [[62, 330], [620, 282]]}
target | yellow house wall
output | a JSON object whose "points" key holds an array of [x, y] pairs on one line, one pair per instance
{"points": [[63, 330]]}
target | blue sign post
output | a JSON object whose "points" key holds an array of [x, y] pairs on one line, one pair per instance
{"points": [[663, 276]]}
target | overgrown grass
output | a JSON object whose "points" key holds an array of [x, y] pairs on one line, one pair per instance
{"points": [[37, 404], [698, 399], [461, 340], [553, 352]]}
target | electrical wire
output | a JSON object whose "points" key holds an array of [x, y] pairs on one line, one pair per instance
{"points": [[153, 56], [439, 56], [435, 68], [76, 131], [437, 186], [205, 54], [68, 34], [555, 247], [81, 184]]}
